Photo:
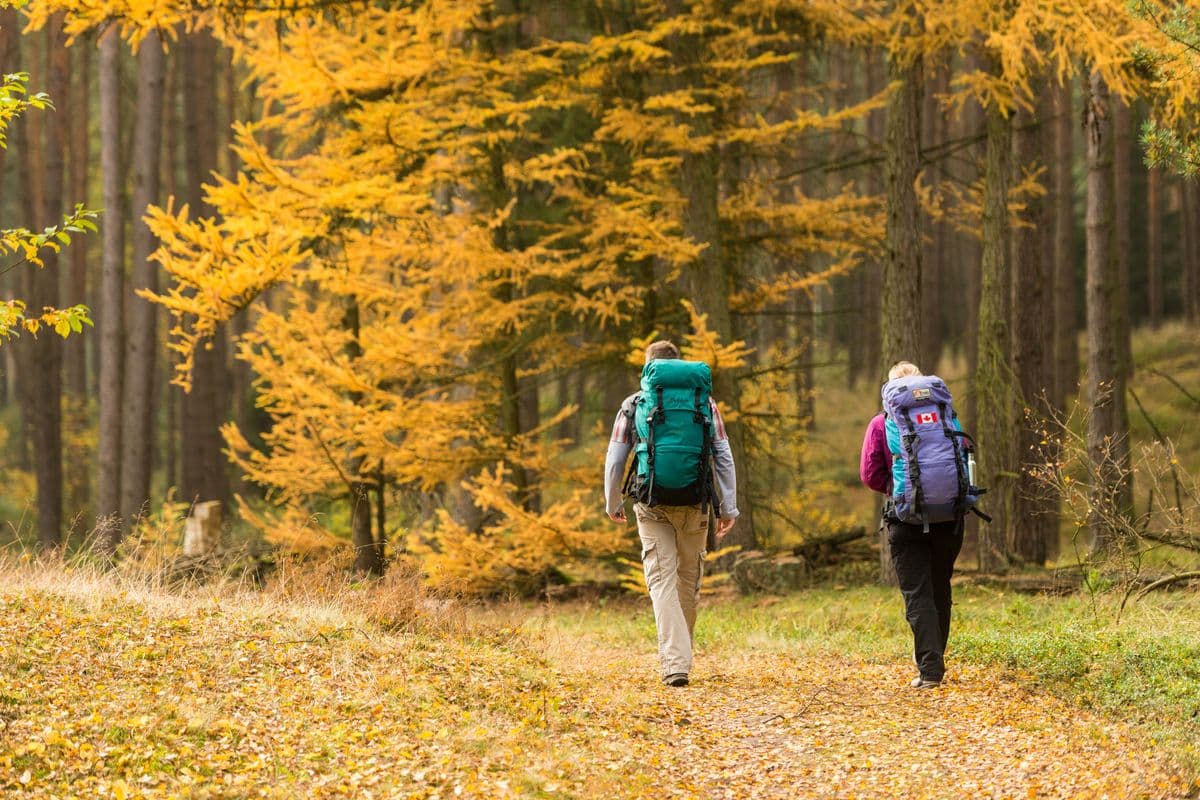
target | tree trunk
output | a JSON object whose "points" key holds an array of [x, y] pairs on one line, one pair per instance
{"points": [[141, 341], [367, 555], [204, 407], [1122, 121], [901, 307], [530, 415], [866, 336], [42, 378], [805, 378], [975, 126], [10, 356], [48, 464], [10, 59], [1154, 247], [245, 412], [994, 389], [933, 132], [901, 314], [381, 482], [172, 396], [1066, 343], [1189, 223], [110, 316], [1105, 379], [1122, 321], [1028, 529], [75, 352]]}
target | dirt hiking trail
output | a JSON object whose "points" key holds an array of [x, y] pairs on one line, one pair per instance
{"points": [[771, 725]]}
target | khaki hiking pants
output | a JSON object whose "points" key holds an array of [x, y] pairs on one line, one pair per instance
{"points": [[673, 539]]}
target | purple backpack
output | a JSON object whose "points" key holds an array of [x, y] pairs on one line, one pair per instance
{"points": [[930, 478]]}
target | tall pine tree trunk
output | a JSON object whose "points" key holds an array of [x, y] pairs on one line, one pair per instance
{"points": [[42, 171], [1105, 379], [110, 316], [48, 455], [901, 308], [529, 411], [10, 58], [75, 348], [901, 314], [971, 258], [1122, 121], [204, 407], [870, 315], [172, 398], [368, 557], [1066, 343], [141, 341], [933, 133], [994, 388], [1029, 518]]}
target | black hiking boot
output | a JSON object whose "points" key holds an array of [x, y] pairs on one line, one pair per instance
{"points": [[676, 679]]}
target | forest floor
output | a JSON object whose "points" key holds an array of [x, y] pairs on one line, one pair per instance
{"points": [[120, 689]]}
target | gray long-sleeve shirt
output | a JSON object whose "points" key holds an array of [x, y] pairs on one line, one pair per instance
{"points": [[621, 443]]}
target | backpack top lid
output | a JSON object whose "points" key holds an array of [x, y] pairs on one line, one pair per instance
{"points": [[675, 373], [915, 391]]}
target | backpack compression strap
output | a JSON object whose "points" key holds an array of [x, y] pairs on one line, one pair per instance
{"points": [[656, 415], [914, 468], [633, 440], [959, 471], [705, 458]]}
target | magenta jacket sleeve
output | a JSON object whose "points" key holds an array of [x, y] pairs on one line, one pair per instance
{"points": [[875, 468]]}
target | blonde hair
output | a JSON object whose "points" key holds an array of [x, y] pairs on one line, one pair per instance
{"points": [[661, 349], [903, 369]]}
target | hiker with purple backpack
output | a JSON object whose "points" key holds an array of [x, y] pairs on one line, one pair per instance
{"points": [[916, 454]]}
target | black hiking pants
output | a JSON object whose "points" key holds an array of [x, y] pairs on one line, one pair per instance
{"points": [[924, 563]]}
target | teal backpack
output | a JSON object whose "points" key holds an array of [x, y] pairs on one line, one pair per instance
{"points": [[672, 435]]}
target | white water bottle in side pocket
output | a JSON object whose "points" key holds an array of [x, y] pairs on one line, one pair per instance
{"points": [[971, 469]]}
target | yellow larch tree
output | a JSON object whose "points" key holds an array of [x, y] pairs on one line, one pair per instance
{"points": [[442, 204], [405, 222]]}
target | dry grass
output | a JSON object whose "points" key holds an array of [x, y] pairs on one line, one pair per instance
{"points": [[114, 684], [316, 686]]}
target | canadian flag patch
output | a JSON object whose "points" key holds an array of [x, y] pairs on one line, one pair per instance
{"points": [[927, 418]]}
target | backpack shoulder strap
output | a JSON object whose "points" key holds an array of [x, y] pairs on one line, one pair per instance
{"points": [[629, 409]]}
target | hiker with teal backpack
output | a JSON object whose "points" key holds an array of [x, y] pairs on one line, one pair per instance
{"points": [[917, 455], [675, 432]]}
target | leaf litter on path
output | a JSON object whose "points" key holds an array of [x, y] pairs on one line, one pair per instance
{"points": [[766, 725]]}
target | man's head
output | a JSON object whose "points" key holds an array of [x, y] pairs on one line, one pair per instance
{"points": [[903, 369], [661, 349]]}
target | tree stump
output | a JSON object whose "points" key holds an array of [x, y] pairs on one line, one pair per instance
{"points": [[202, 529]]}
